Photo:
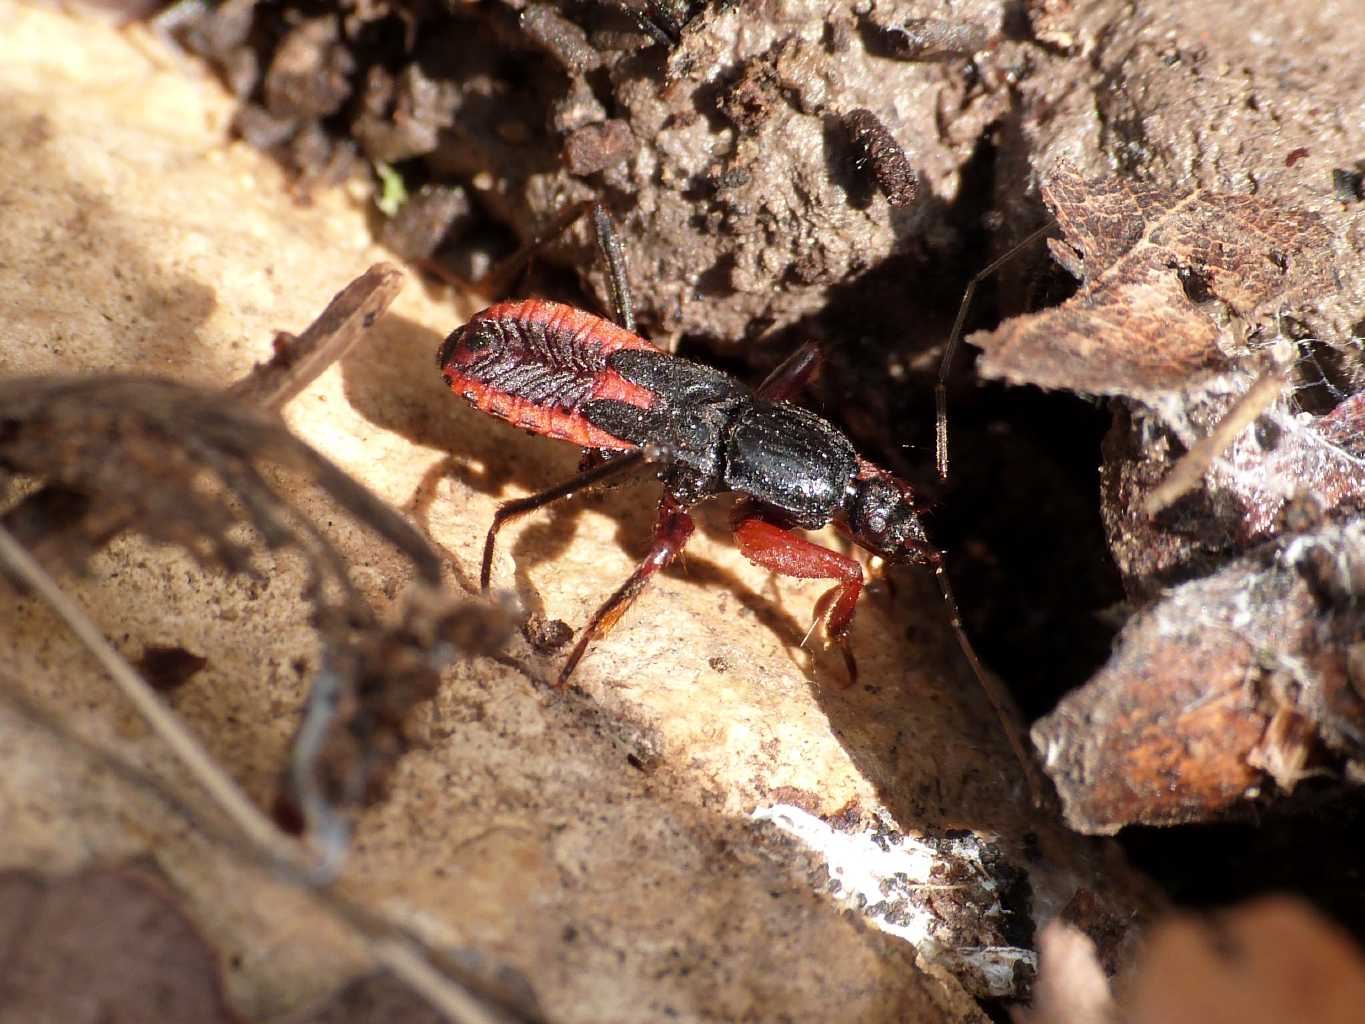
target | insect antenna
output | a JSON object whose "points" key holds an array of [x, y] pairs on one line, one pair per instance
{"points": [[1001, 702], [954, 338], [500, 280], [614, 256]]}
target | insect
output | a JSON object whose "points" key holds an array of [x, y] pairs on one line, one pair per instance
{"points": [[564, 373]]}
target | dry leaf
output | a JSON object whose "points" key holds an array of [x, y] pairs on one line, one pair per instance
{"points": [[1155, 267], [1288, 473]]}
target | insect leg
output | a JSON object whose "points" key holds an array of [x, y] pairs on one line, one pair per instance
{"points": [[656, 19], [775, 547], [788, 376], [672, 530], [1005, 710], [500, 279], [511, 510], [614, 256]]}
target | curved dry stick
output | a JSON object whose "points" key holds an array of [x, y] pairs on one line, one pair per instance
{"points": [[1186, 473], [225, 792], [299, 360], [384, 938]]}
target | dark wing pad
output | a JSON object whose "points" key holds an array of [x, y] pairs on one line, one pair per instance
{"points": [[676, 382]]}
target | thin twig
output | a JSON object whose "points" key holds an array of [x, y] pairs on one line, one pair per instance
{"points": [[295, 365], [1191, 467], [11, 695], [383, 938], [224, 791], [408, 961], [300, 360]]}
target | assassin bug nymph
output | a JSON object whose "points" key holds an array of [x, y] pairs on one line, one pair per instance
{"points": [[560, 372]]}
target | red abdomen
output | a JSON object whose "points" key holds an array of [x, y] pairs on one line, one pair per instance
{"points": [[534, 363]]}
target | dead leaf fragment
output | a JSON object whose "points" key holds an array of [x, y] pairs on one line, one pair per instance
{"points": [[1155, 269], [1286, 469]]}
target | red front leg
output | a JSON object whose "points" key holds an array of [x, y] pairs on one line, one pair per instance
{"points": [[773, 546], [672, 530]]}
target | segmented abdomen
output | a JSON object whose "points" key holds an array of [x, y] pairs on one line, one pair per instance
{"points": [[534, 363]]}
